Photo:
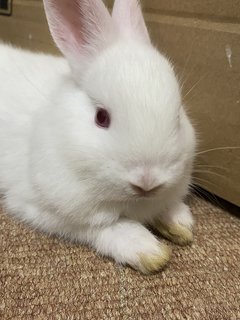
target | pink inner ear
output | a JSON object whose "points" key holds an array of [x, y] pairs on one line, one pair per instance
{"points": [[129, 18], [78, 26], [65, 24]]}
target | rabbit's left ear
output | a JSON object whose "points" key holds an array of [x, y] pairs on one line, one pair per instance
{"points": [[128, 16], [80, 28]]}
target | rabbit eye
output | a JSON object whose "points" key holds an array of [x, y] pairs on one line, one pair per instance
{"points": [[102, 118]]}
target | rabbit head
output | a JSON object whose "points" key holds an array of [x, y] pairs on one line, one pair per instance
{"points": [[119, 118]]}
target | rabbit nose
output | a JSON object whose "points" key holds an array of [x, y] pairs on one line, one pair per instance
{"points": [[143, 191], [146, 184]]}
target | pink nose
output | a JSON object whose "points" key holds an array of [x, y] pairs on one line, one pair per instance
{"points": [[141, 191], [146, 184]]}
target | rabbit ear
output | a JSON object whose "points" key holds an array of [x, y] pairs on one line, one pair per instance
{"points": [[80, 28], [129, 18]]}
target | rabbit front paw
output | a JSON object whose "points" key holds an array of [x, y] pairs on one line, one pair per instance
{"points": [[177, 225], [149, 262], [177, 233], [130, 243]]}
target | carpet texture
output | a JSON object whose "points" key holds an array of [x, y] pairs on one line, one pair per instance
{"points": [[48, 278]]}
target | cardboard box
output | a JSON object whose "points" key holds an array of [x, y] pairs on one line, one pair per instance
{"points": [[202, 39], [27, 27]]}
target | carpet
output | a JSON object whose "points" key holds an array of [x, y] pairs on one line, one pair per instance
{"points": [[44, 277]]}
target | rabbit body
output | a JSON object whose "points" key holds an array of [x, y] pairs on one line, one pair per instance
{"points": [[64, 174]]}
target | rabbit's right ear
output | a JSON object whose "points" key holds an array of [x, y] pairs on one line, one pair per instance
{"points": [[80, 28], [129, 17]]}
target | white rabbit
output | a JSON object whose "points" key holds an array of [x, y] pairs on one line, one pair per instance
{"points": [[96, 151]]}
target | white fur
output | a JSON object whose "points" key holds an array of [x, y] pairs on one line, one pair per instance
{"points": [[64, 175]]}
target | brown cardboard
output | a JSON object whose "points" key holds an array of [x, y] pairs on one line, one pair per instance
{"points": [[202, 39], [27, 26], [223, 9]]}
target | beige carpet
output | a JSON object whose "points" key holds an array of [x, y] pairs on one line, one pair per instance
{"points": [[47, 278]]}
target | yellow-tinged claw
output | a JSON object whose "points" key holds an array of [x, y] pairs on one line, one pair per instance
{"points": [[177, 233], [154, 262]]}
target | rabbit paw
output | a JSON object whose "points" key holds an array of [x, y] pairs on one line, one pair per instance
{"points": [[177, 233], [130, 243], [152, 262], [177, 225]]}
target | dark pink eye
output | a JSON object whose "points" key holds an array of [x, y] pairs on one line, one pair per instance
{"points": [[102, 118]]}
